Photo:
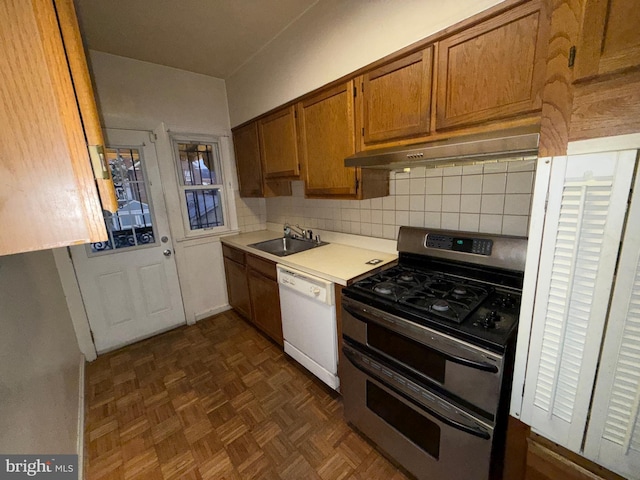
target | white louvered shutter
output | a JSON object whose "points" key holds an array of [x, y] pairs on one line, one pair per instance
{"points": [[585, 214], [613, 435]]}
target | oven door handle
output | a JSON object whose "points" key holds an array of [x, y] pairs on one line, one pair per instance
{"points": [[486, 367], [470, 429]]}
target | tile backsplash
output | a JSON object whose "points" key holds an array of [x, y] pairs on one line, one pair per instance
{"points": [[252, 213], [490, 197]]}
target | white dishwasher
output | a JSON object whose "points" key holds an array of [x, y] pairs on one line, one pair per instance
{"points": [[308, 310]]}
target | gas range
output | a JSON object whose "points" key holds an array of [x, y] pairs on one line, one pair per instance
{"points": [[428, 348], [470, 304]]}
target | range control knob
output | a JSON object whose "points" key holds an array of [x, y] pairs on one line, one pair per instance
{"points": [[315, 291], [490, 319]]}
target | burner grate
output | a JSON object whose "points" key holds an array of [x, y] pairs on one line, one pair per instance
{"points": [[433, 293]]}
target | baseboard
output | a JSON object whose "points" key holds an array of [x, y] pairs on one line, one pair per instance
{"points": [[213, 311], [80, 444]]}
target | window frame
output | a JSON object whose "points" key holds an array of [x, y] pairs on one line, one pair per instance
{"points": [[221, 175]]}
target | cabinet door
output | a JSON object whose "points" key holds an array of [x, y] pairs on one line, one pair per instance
{"points": [[397, 99], [586, 210], [86, 99], [278, 144], [48, 195], [237, 287], [326, 138], [493, 70], [249, 165], [613, 437], [265, 299], [609, 38], [247, 149]]}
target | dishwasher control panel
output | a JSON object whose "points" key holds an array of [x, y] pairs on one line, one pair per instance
{"points": [[305, 284]]}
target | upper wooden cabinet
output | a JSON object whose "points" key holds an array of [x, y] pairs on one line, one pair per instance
{"points": [[493, 70], [278, 145], [85, 97], [609, 38], [396, 99], [48, 194], [249, 165], [326, 134], [326, 137]]}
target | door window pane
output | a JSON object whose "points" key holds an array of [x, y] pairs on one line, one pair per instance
{"points": [[132, 224], [204, 208]]}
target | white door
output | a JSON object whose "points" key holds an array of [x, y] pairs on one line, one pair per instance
{"points": [[129, 284]]}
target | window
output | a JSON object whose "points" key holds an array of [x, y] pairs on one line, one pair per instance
{"points": [[132, 225], [201, 186]]}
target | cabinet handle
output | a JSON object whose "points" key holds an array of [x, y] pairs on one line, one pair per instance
{"points": [[98, 162]]}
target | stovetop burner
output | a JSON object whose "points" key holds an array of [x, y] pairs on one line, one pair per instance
{"points": [[390, 289], [448, 297], [461, 305]]}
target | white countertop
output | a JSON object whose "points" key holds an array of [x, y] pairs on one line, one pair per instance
{"points": [[336, 262]]}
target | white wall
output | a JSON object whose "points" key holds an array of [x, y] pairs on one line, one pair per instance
{"points": [[141, 95], [39, 359], [332, 39]]}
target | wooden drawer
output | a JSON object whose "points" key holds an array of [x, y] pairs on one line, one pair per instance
{"points": [[233, 254], [265, 267]]}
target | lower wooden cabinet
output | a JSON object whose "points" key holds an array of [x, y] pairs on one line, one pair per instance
{"points": [[548, 461], [236, 275], [265, 300], [530, 456], [252, 286]]}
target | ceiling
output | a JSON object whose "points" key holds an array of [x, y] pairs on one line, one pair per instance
{"points": [[212, 37]]}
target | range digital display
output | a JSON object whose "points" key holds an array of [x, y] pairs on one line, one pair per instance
{"points": [[478, 246]]}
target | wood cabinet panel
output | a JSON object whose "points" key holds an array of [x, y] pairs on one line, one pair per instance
{"points": [[549, 461], [265, 301], [326, 138], [237, 287], [265, 267], [493, 70], [48, 195], [84, 93], [247, 149], [234, 254], [278, 145], [397, 98], [557, 95], [253, 290], [251, 180], [603, 109], [609, 38]]}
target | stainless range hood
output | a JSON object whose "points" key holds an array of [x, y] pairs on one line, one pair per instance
{"points": [[459, 150]]}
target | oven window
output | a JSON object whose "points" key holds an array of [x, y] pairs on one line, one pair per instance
{"points": [[420, 430], [411, 353]]}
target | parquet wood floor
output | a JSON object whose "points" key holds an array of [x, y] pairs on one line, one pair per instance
{"points": [[217, 400]]}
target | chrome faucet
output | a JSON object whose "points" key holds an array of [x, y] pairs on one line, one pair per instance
{"points": [[291, 231]]}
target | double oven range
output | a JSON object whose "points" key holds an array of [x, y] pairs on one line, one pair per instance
{"points": [[428, 349]]}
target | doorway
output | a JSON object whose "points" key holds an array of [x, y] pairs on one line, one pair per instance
{"points": [[129, 283]]}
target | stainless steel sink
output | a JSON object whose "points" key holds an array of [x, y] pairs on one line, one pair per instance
{"points": [[284, 246]]}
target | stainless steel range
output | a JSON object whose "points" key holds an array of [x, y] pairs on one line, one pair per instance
{"points": [[428, 352]]}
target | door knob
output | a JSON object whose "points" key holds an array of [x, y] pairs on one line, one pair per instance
{"points": [[167, 253]]}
